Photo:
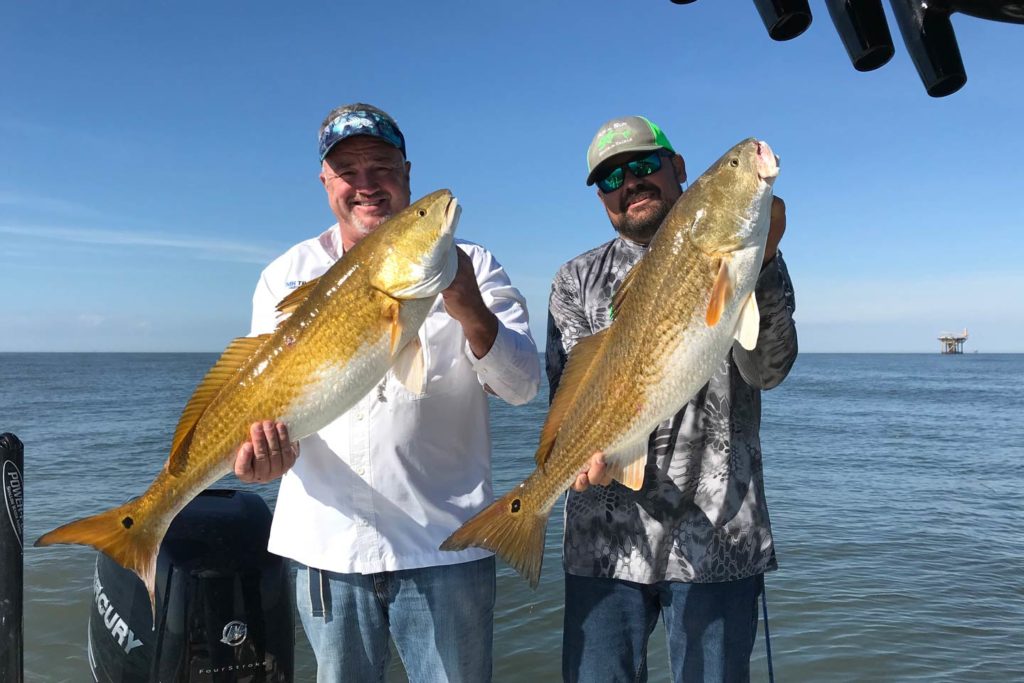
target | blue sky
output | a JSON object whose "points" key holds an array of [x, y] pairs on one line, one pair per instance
{"points": [[158, 155]]}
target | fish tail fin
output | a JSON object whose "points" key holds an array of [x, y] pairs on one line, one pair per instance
{"points": [[119, 534], [509, 529]]}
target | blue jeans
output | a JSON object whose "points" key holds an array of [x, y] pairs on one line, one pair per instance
{"points": [[710, 629], [441, 619]]}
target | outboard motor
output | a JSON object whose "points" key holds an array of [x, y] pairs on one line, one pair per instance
{"points": [[223, 603]]}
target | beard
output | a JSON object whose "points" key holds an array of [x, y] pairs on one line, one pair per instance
{"points": [[641, 225], [366, 227]]}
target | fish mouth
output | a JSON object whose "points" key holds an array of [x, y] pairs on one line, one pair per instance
{"points": [[767, 163], [452, 212]]}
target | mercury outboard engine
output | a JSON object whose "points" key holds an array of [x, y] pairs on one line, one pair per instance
{"points": [[223, 603]]}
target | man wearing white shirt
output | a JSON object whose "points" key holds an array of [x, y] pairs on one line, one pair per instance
{"points": [[376, 492]]}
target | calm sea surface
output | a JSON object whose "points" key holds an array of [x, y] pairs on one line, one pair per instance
{"points": [[895, 485]]}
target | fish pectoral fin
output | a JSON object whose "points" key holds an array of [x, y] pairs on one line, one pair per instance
{"points": [[627, 466], [409, 367], [287, 305], [720, 293], [234, 356], [749, 325], [574, 377], [392, 314]]}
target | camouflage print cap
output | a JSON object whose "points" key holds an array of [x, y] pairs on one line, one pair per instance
{"points": [[360, 120], [626, 134]]}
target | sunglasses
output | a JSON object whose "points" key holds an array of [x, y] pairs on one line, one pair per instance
{"points": [[641, 168]]}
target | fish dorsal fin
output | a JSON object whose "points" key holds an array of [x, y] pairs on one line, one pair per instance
{"points": [[627, 466], [295, 298], [577, 367], [409, 367], [237, 352], [749, 325], [720, 292], [623, 290]]}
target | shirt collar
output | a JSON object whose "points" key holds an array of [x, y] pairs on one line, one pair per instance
{"points": [[330, 241], [630, 244]]}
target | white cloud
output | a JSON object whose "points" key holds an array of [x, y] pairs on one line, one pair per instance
{"points": [[204, 248], [47, 331], [91, 319], [954, 297], [908, 314], [47, 204], [33, 129]]}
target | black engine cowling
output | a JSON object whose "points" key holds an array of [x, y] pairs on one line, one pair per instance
{"points": [[224, 604]]}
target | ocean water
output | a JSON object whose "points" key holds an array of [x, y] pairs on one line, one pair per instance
{"points": [[894, 484]]}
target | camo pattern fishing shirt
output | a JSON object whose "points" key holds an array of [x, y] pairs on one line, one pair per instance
{"points": [[701, 514]]}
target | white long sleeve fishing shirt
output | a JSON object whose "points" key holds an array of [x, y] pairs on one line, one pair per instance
{"points": [[383, 485]]}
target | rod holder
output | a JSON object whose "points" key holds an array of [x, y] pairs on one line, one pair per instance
{"points": [[862, 27], [994, 10], [784, 19], [12, 559], [931, 42]]}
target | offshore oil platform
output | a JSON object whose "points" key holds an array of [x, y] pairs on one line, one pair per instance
{"points": [[953, 343]]}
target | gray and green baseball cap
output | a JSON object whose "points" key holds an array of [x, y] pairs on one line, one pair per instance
{"points": [[626, 134]]}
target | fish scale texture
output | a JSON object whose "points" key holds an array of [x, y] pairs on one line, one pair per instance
{"points": [[328, 354], [637, 381], [701, 514], [289, 373]]}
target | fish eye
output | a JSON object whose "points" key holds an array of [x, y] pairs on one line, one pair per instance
{"points": [[734, 162], [422, 213]]}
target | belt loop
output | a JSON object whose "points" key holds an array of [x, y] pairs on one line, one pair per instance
{"points": [[316, 591]]}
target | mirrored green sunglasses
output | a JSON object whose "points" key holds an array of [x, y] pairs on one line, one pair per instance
{"points": [[638, 167]]}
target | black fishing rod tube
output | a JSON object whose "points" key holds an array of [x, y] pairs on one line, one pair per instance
{"points": [[994, 10], [784, 19], [12, 534], [931, 42], [865, 34]]}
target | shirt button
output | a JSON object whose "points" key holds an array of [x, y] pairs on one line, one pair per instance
{"points": [[360, 416], [360, 471]]}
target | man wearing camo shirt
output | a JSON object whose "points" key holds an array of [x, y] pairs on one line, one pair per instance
{"points": [[692, 545]]}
